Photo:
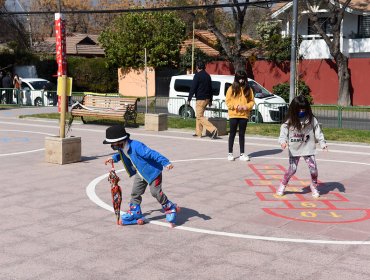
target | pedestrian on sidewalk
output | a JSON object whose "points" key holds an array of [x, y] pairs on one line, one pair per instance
{"points": [[299, 133], [17, 88], [147, 165], [239, 102], [201, 87], [8, 87]]}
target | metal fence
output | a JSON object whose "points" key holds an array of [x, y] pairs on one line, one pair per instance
{"points": [[355, 117]]}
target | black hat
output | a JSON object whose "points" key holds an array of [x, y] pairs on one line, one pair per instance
{"points": [[115, 133]]}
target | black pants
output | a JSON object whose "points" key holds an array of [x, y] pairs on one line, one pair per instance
{"points": [[234, 123]]}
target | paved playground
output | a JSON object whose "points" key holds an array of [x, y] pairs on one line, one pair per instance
{"points": [[57, 220]]}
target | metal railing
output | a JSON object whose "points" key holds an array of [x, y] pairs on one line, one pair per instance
{"points": [[355, 117]]}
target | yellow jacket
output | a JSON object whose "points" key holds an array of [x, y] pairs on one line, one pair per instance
{"points": [[232, 103]]}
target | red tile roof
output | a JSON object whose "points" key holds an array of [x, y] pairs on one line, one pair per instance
{"points": [[205, 41], [76, 44]]}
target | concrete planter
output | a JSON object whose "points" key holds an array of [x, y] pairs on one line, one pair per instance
{"points": [[62, 150], [220, 124], [156, 122]]}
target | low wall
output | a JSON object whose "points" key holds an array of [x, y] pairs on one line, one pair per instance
{"points": [[319, 74]]}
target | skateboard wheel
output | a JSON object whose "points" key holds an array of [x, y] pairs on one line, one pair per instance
{"points": [[178, 209], [140, 222]]}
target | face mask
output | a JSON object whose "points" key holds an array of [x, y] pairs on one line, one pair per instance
{"points": [[301, 114], [114, 147]]}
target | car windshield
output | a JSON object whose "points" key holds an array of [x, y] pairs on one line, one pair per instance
{"points": [[39, 84], [259, 91]]}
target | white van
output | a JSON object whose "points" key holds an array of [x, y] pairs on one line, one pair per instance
{"points": [[268, 107]]}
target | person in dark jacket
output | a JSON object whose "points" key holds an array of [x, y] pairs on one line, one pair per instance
{"points": [[202, 89], [8, 86]]}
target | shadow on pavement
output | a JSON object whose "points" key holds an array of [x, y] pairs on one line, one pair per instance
{"points": [[327, 187], [324, 188], [265, 153], [182, 217]]}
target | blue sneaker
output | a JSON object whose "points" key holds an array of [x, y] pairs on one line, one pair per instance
{"points": [[133, 215], [171, 210]]}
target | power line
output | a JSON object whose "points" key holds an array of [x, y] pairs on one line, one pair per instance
{"points": [[267, 3]]}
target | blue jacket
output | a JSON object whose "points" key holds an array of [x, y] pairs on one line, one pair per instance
{"points": [[147, 162]]}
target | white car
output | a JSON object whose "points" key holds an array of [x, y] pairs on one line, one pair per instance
{"points": [[268, 107], [34, 91]]}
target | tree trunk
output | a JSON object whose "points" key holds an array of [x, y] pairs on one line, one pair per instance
{"points": [[239, 63], [344, 94]]}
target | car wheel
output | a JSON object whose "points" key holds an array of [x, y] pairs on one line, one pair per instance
{"points": [[187, 112], [253, 117], [38, 101]]}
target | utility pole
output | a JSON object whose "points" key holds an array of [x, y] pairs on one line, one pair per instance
{"points": [[293, 52]]}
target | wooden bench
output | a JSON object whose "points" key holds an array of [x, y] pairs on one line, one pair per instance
{"points": [[106, 107]]}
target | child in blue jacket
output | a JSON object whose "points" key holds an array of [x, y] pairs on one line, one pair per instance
{"points": [[147, 165]]}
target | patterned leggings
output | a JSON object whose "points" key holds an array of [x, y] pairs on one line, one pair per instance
{"points": [[293, 163]]}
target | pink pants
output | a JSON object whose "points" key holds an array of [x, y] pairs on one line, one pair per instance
{"points": [[293, 163]]}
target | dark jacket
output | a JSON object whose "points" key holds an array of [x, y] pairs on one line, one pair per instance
{"points": [[7, 82], [201, 86]]}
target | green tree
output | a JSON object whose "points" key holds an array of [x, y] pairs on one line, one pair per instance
{"points": [[277, 47], [283, 90], [126, 38]]}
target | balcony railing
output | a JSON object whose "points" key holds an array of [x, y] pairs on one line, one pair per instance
{"points": [[314, 48]]}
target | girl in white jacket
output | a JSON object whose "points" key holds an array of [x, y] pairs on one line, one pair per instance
{"points": [[300, 133]]}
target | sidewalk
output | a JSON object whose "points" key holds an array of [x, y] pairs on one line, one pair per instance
{"points": [[55, 225]]}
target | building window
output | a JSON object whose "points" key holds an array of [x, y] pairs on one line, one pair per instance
{"points": [[364, 26], [324, 23]]}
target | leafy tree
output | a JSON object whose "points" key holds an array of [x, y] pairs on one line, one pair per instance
{"points": [[277, 47], [126, 38], [283, 90], [336, 13]]}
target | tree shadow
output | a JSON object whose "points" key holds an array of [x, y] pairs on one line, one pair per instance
{"points": [[266, 153], [182, 217]]}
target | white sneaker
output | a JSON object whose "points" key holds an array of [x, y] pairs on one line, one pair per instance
{"points": [[280, 190], [230, 157], [244, 157], [315, 192]]}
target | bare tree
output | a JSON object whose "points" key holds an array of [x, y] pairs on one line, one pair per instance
{"points": [[336, 13], [233, 47]]}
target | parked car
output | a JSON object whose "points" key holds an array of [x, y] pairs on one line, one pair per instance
{"points": [[35, 91], [268, 107]]}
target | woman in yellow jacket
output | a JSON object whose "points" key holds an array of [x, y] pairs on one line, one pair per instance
{"points": [[240, 102]]}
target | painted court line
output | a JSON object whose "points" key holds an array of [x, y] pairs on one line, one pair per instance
{"points": [[205, 140], [24, 152], [90, 191]]}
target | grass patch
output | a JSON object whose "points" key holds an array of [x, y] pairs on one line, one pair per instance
{"points": [[271, 130]]}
